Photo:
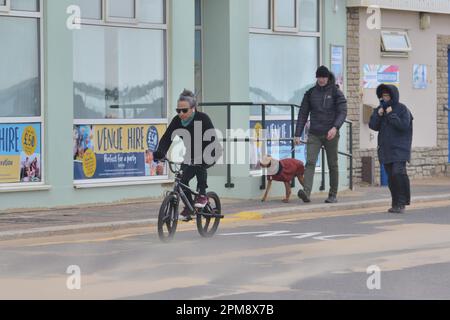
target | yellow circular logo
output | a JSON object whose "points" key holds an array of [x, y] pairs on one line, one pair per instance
{"points": [[29, 141], [89, 163], [258, 131]]}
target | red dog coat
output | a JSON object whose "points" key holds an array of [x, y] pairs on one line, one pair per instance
{"points": [[289, 169]]}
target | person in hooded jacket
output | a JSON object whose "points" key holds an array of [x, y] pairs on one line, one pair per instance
{"points": [[394, 123], [327, 107]]}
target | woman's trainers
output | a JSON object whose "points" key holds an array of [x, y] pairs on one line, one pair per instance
{"points": [[185, 215], [201, 202]]}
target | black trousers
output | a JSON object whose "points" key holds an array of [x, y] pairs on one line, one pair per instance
{"points": [[189, 172], [399, 184]]}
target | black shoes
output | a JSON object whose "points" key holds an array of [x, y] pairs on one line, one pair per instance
{"points": [[331, 199], [397, 209], [302, 195]]}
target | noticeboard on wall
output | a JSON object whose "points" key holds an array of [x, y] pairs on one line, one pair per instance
{"points": [[337, 63]]}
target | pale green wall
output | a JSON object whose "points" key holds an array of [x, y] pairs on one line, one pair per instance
{"points": [[226, 78], [335, 27]]}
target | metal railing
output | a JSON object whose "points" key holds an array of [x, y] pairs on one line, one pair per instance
{"points": [[293, 110]]}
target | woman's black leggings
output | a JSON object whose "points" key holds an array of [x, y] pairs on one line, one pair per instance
{"points": [[189, 172], [399, 184]]}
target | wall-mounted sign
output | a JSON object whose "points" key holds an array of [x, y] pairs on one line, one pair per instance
{"points": [[337, 64], [375, 74], [116, 151], [420, 76]]}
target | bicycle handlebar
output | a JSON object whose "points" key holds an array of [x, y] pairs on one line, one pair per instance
{"points": [[171, 164]]}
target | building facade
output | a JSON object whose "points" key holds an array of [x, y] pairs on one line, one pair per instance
{"points": [[405, 43], [88, 87]]}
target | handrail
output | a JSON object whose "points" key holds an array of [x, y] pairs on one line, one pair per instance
{"points": [[263, 106]]}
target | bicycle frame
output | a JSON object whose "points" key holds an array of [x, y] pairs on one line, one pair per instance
{"points": [[180, 193]]}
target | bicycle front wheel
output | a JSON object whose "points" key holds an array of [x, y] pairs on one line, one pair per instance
{"points": [[167, 219], [206, 225]]}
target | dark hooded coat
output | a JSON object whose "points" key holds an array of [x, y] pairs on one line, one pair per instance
{"points": [[395, 130]]}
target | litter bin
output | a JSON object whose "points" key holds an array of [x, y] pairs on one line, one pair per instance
{"points": [[383, 177]]}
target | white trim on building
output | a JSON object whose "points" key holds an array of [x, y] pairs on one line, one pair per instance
{"points": [[433, 6]]}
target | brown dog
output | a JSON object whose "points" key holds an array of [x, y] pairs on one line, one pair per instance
{"points": [[284, 171]]}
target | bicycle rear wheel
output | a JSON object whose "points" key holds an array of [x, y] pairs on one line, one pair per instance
{"points": [[167, 219], [207, 226]]}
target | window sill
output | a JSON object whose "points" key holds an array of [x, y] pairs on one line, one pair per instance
{"points": [[9, 189], [90, 185]]}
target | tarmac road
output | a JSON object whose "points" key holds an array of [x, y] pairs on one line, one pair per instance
{"points": [[315, 256]]}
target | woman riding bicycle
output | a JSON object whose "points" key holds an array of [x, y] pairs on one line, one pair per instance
{"points": [[188, 125]]}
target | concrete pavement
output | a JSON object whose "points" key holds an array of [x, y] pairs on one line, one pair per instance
{"points": [[50, 222]]}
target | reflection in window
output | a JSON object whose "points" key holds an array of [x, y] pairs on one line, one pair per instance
{"points": [[119, 73], [395, 41], [282, 68], [90, 9], [121, 8], [25, 5], [19, 65], [151, 11], [309, 15], [285, 12]]}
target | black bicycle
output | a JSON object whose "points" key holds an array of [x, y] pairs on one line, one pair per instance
{"points": [[208, 218]]}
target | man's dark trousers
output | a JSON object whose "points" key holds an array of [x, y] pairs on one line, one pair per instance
{"points": [[189, 172], [313, 147]]}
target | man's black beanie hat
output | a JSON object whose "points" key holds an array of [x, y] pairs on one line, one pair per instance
{"points": [[322, 72]]}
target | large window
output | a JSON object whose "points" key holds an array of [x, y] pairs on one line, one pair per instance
{"points": [[120, 90], [119, 73], [285, 52], [21, 122], [282, 68]]}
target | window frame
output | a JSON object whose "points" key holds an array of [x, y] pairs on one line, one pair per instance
{"points": [[37, 119], [122, 23], [274, 19], [272, 31], [199, 28], [115, 21], [269, 18], [403, 33], [91, 20], [106, 6]]}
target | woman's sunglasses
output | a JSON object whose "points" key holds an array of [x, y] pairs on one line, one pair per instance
{"points": [[182, 110]]}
